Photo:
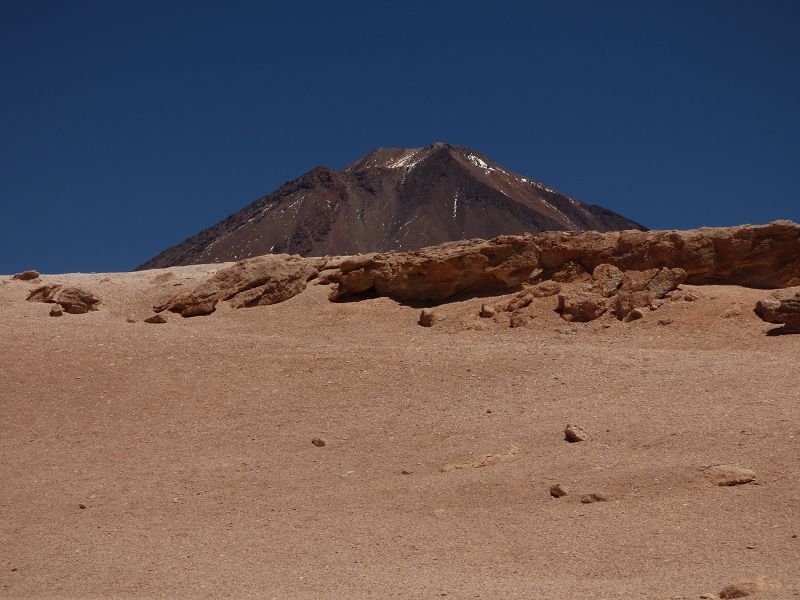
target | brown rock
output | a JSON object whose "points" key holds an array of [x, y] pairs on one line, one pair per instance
{"points": [[636, 281], [606, 280], [730, 313], [545, 289], [665, 281], [581, 306], [318, 442], [593, 497], [45, 293], [634, 315], [763, 256], [252, 282], [785, 311], [519, 319], [77, 301], [729, 475], [427, 317], [26, 275], [56, 311], [626, 302], [157, 319], [130, 319], [570, 272], [743, 589], [406, 471], [664, 321], [558, 490], [487, 311], [439, 272], [574, 434]]}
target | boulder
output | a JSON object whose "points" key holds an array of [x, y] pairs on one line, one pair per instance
{"points": [[581, 305], [624, 303], [26, 275], [257, 281], [606, 280], [77, 301], [440, 272], [784, 311]]}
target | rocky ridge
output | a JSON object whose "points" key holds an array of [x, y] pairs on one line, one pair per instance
{"points": [[625, 273]]}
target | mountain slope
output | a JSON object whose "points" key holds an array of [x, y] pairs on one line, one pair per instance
{"points": [[392, 198]]}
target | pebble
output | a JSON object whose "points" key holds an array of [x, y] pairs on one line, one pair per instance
{"points": [[318, 442], [593, 497], [558, 490], [426, 317]]}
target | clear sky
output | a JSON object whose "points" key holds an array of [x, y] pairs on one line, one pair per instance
{"points": [[126, 126]]}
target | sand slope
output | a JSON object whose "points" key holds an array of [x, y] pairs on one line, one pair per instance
{"points": [[189, 444]]}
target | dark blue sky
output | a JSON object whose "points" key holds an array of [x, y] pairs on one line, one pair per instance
{"points": [[127, 126]]}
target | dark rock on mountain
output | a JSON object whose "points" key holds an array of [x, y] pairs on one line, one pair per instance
{"points": [[391, 199]]}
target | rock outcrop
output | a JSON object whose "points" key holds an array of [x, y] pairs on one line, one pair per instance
{"points": [[440, 272], [782, 310], [77, 301], [652, 262], [255, 281], [760, 256], [73, 300], [26, 275]]}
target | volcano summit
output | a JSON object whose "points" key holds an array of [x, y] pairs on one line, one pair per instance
{"points": [[391, 199]]}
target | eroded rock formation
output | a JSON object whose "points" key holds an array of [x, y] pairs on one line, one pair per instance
{"points": [[255, 281], [440, 272], [764, 256], [73, 300], [783, 310]]}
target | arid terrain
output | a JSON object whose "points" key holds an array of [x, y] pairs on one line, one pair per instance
{"points": [[175, 460]]}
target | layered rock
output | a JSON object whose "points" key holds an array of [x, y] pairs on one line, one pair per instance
{"points": [[654, 262], [760, 256], [256, 281], [73, 300], [440, 272]]}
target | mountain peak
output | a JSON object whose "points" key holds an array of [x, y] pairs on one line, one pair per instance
{"points": [[392, 198]]}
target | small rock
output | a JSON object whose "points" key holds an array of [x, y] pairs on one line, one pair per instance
{"points": [[573, 434], [690, 297], [56, 311], [406, 471], [634, 315], [708, 597], [157, 318], [427, 317], [82, 506], [130, 320], [558, 490], [731, 312], [728, 475], [487, 311], [26, 275], [545, 289], [519, 319], [318, 442], [593, 497], [742, 589], [664, 321]]}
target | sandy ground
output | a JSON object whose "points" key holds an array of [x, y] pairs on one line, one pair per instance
{"points": [[189, 445]]}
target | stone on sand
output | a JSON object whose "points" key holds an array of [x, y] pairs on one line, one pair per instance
{"points": [[729, 475]]}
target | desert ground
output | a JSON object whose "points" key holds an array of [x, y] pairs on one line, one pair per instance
{"points": [[175, 460]]}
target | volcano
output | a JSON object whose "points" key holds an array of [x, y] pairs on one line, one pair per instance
{"points": [[391, 199]]}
